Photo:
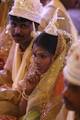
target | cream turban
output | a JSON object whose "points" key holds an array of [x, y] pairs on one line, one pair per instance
{"points": [[29, 9], [72, 69]]}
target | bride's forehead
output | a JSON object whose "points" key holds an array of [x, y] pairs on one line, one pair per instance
{"points": [[38, 48]]}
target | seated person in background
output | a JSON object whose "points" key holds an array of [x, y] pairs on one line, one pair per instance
{"points": [[71, 93]]}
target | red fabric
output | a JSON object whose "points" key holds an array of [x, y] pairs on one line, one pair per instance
{"points": [[7, 117], [59, 85]]}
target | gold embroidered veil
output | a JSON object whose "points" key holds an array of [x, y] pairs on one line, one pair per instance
{"points": [[42, 93]]}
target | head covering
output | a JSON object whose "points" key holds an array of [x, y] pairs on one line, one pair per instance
{"points": [[29, 9], [47, 14], [53, 28], [60, 19], [72, 68]]}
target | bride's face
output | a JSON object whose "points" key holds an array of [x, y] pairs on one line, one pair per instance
{"points": [[41, 58]]}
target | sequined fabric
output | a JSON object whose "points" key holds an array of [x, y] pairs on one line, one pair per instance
{"points": [[5, 45], [33, 77]]}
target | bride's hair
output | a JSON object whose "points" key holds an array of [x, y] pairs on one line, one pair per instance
{"points": [[47, 42]]}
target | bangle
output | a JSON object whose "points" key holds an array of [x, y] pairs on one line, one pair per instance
{"points": [[24, 95]]}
